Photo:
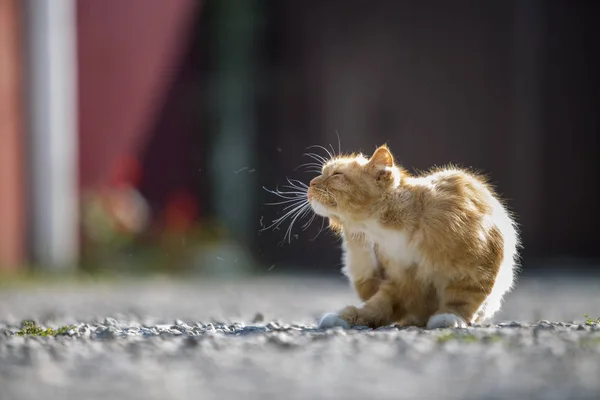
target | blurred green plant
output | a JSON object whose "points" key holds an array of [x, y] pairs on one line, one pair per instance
{"points": [[467, 337], [115, 240], [30, 328], [590, 321]]}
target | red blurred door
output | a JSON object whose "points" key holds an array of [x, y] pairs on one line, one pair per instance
{"points": [[127, 53], [12, 208]]}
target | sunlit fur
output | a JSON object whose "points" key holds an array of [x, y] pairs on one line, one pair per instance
{"points": [[416, 247]]}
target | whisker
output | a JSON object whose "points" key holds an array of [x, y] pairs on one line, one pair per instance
{"points": [[310, 221], [288, 203], [295, 187], [323, 148], [320, 229], [285, 202], [277, 222], [296, 190], [300, 214], [294, 216], [309, 164], [316, 157], [339, 142], [284, 195], [302, 184], [319, 157], [292, 205], [294, 195], [318, 146], [292, 209], [312, 172]]}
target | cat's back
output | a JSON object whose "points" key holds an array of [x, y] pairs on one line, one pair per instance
{"points": [[464, 228], [454, 181], [457, 190], [461, 204]]}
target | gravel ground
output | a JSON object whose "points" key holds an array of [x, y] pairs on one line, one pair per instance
{"points": [[257, 339]]}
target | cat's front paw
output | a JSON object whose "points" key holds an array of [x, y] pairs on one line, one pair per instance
{"points": [[446, 321], [331, 320]]}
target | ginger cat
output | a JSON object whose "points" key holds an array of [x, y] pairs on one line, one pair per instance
{"points": [[436, 250]]}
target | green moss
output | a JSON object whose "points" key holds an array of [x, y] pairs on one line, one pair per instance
{"points": [[30, 328], [63, 330], [467, 338], [591, 321]]}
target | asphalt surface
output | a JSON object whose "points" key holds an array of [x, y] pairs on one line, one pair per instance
{"points": [[257, 339]]}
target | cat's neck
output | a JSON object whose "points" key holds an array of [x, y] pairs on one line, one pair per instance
{"points": [[395, 210]]}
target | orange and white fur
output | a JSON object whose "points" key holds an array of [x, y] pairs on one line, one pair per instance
{"points": [[436, 250]]}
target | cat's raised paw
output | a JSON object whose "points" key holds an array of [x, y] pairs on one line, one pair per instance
{"points": [[446, 321], [331, 320]]}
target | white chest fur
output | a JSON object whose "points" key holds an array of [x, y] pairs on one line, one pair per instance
{"points": [[395, 246], [396, 250]]}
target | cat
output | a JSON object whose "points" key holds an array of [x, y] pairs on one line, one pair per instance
{"points": [[437, 250]]}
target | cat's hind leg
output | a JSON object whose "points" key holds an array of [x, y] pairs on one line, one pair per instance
{"points": [[459, 302]]}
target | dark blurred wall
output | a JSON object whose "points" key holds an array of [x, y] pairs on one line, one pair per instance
{"points": [[571, 124], [507, 88]]}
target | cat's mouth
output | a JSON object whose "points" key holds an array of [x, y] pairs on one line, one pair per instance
{"points": [[318, 207], [322, 202], [310, 194]]}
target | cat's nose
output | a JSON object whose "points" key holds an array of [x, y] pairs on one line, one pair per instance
{"points": [[313, 183]]}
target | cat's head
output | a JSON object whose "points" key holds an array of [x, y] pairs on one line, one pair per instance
{"points": [[349, 186]]}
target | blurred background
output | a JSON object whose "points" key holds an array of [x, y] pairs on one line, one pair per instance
{"points": [[136, 135]]}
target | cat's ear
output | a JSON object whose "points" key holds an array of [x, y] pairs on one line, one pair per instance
{"points": [[382, 158]]}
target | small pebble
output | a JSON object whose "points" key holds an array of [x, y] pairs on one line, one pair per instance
{"points": [[273, 326], [147, 331], [252, 329], [361, 328], [512, 324], [107, 333]]}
